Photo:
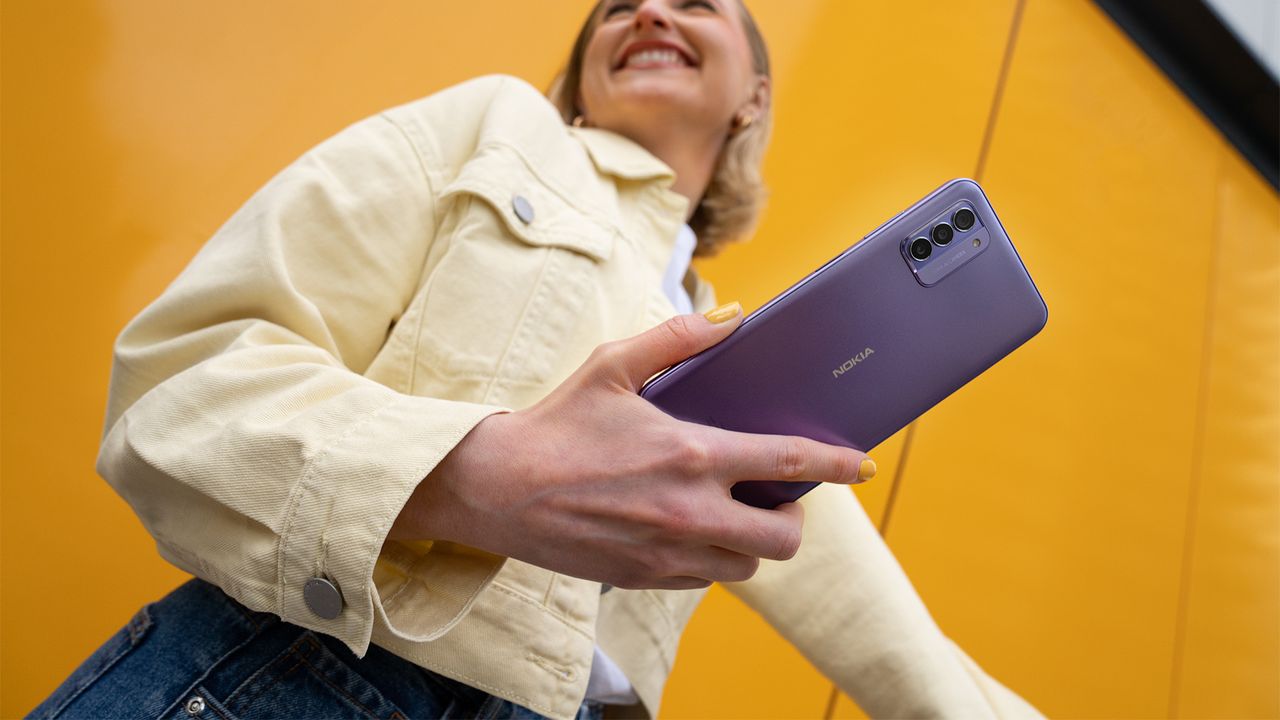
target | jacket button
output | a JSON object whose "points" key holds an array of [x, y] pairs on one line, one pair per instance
{"points": [[523, 209], [322, 598]]}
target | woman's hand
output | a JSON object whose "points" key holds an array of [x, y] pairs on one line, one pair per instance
{"points": [[596, 482]]}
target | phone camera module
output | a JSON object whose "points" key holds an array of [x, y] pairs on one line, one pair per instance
{"points": [[942, 233], [921, 248], [963, 219]]}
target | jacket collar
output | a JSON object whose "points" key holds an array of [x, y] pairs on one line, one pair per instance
{"points": [[618, 156]]}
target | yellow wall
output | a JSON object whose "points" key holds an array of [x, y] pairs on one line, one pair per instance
{"points": [[1097, 519]]}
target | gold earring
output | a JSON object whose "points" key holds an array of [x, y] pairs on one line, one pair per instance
{"points": [[578, 120], [742, 121]]}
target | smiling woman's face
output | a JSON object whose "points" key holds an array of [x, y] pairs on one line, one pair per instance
{"points": [[683, 65]]}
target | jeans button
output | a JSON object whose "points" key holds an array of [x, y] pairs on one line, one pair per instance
{"points": [[195, 705]]}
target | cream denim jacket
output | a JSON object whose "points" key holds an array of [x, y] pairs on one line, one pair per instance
{"points": [[272, 411]]}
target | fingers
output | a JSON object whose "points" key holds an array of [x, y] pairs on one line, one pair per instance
{"points": [[747, 536], [682, 582], [747, 456], [710, 564], [724, 544], [758, 533], [638, 358]]}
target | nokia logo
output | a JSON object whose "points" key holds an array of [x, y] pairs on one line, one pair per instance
{"points": [[848, 364]]}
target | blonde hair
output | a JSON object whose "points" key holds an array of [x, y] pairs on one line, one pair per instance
{"points": [[735, 196]]}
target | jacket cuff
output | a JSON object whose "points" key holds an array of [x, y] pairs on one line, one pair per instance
{"points": [[338, 517], [423, 588]]}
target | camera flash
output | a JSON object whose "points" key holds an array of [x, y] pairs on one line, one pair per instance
{"points": [[976, 242]]}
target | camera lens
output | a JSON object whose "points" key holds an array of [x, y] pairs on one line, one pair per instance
{"points": [[942, 233], [921, 248], [963, 219]]}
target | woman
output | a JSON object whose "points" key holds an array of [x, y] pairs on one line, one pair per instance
{"points": [[388, 416]]}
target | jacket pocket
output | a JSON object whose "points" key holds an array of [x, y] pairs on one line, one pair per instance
{"points": [[507, 305], [529, 207]]}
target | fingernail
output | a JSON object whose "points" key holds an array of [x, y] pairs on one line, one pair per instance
{"points": [[866, 470], [725, 312]]}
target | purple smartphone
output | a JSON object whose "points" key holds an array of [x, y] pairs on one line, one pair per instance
{"points": [[869, 341]]}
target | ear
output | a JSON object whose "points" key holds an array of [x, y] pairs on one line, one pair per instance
{"points": [[761, 95]]}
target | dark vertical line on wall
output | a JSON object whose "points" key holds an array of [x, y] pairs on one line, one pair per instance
{"points": [[999, 94], [983, 149], [1197, 449], [831, 702], [897, 480], [884, 529]]}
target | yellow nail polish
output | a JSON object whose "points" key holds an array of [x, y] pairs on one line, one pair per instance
{"points": [[866, 470], [725, 312]]}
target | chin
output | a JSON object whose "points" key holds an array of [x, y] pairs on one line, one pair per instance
{"points": [[665, 97]]}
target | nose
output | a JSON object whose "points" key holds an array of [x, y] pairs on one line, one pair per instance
{"points": [[653, 14]]}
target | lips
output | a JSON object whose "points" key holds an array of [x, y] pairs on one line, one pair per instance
{"points": [[654, 54]]}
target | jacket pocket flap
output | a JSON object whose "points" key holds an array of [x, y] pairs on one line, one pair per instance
{"points": [[531, 210]]}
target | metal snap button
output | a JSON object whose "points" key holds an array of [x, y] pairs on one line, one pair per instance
{"points": [[195, 705], [322, 598], [524, 210]]}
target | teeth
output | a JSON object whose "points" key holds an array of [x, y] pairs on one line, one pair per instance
{"points": [[655, 56]]}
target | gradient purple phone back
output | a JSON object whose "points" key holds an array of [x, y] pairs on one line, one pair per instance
{"points": [[786, 370]]}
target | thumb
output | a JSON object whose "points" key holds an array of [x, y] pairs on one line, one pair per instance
{"points": [[641, 357]]}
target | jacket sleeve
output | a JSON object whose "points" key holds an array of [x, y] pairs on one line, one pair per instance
{"points": [[846, 604], [240, 426]]}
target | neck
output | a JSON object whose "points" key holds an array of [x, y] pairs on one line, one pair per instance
{"points": [[691, 155]]}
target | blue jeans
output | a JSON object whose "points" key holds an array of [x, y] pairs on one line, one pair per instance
{"points": [[199, 654]]}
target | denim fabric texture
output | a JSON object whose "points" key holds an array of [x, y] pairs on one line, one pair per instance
{"points": [[199, 654]]}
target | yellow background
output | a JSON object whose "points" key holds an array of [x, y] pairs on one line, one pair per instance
{"points": [[1096, 519]]}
